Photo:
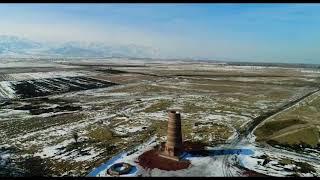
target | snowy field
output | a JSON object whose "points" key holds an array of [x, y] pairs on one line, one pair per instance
{"points": [[109, 120], [200, 166], [25, 63], [26, 85], [39, 75]]}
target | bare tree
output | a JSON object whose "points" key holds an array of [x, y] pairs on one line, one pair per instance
{"points": [[75, 136]]}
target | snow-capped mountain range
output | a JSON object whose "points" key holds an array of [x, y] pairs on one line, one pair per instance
{"points": [[13, 46]]}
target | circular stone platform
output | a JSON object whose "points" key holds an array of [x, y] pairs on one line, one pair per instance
{"points": [[151, 159], [119, 169]]}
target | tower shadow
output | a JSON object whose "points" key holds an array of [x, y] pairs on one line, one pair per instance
{"points": [[219, 152]]}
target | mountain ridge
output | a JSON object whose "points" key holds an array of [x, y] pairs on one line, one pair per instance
{"points": [[14, 46]]}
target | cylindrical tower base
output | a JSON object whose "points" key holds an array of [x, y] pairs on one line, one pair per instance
{"points": [[174, 144]]}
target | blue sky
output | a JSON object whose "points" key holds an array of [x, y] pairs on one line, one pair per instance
{"points": [[248, 32]]}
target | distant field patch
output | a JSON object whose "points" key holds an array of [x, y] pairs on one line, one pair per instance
{"points": [[49, 86], [41, 75], [296, 126]]}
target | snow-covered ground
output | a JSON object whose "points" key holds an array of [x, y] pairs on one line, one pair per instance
{"points": [[125, 130], [124, 113], [6, 90], [101, 171], [200, 166], [273, 167], [47, 83], [51, 74], [9, 114], [4, 154], [57, 152], [30, 63]]}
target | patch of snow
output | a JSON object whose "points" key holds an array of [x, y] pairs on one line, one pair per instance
{"points": [[31, 63], [8, 114], [53, 113], [6, 90], [52, 151]]}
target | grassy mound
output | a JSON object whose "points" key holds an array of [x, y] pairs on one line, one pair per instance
{"points": [[308, 136], [271, 127], [290, 132]]}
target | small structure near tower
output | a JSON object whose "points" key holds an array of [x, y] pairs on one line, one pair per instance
{"points": [[174, 145]]}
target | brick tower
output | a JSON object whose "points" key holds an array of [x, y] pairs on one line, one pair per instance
{"points": [[173, 146]]}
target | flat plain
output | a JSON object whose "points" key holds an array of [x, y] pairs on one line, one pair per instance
{"points": [[67, 118]]}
